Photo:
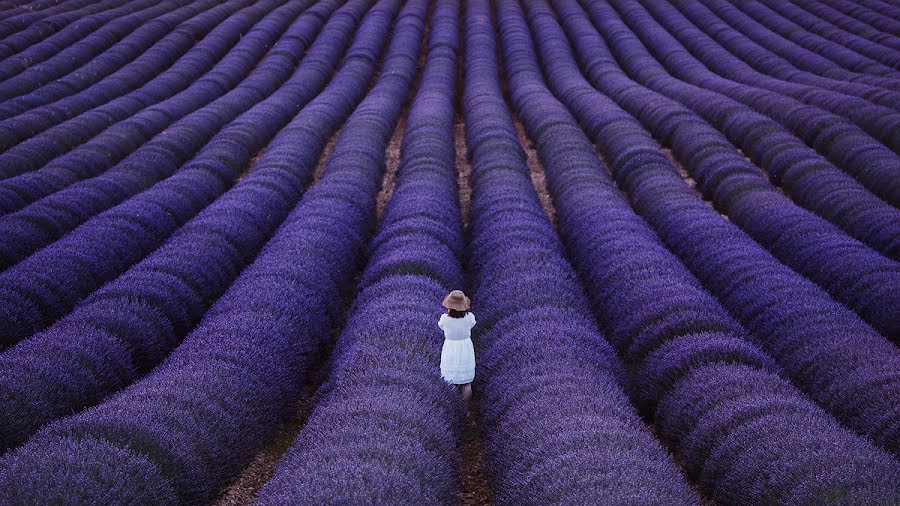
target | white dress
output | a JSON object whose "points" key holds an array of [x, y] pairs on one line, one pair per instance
{"points": [[458, 353]]}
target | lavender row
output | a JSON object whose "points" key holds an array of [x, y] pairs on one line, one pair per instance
{"points": [[847, 49], [765, 62], [46, 220], [12, 8], [558, 427], [239, 39], [826, 350], [104, 99], [187, 428], [50, 18], [806, 50], [854, 274], [676, 339], [835, 15], [873, 8], [811, 181], [147, 51], [17, 55], [879, 121], [834, 196], [386, 427], [129, 325], [43, 287], [78, 69], [828, 20], [887, 7], [33, 43]]}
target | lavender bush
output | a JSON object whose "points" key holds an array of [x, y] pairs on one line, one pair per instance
{"points": [[20, 51], [773, 65], [385, 428], [558, 427], [197, 419], [46, 19], [813, 52], [34, 139], [112, 241], [679, 222], [680, 334], [170, 34], [129, 325], [800, 240], [690, 228], [855, 40], [718, 59], [839, 199], [872, 164]]}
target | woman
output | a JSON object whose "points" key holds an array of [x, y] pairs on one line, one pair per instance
{"points": [[458, 353]]}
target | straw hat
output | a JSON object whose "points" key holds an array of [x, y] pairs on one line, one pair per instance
{"points": [[457, 300]]}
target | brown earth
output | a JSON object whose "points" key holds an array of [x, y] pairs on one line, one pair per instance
{"points": [[463, 169], [326, 155], [245, 487], [474, 489], [688, 180], [536, 171], [392, 164], [680, 168]]}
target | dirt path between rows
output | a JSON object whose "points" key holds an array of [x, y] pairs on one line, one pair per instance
{"points": [[536, 171], [474, 489], [244, 489]]}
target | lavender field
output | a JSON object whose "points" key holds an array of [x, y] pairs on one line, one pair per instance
{"points": [[226, 228]]}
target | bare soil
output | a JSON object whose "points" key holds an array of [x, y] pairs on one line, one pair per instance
{"points": [[686, 176], [392, 165], [680, 168], [474, 489], [250, 166], [463, 169], [536, 172], [326, 155], [245, 487]]}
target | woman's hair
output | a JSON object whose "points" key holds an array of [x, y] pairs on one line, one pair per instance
{"points": [[457, 314]]}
